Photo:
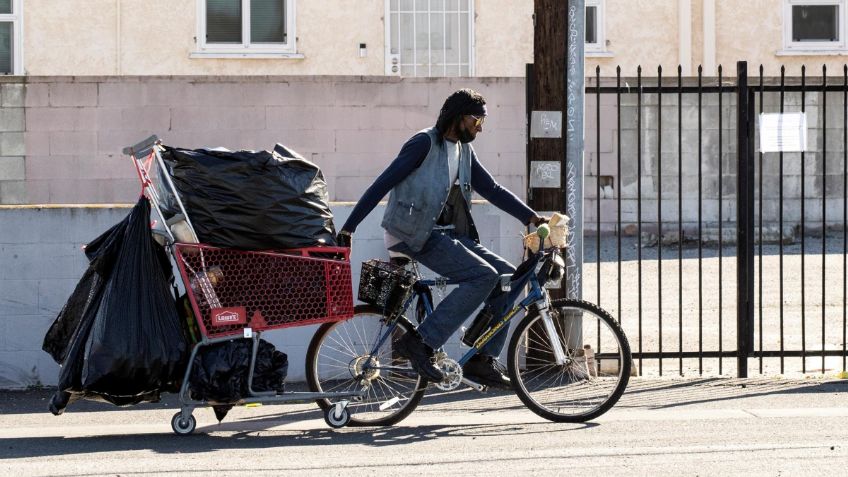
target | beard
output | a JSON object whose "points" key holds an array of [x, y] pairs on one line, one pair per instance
{"points": [[465, 136]]}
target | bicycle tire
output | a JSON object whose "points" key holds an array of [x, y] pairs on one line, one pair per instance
{"points": [[565, 392], [322, 357]]}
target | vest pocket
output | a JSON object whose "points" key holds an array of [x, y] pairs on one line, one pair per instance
{"points": [[405, 216]]}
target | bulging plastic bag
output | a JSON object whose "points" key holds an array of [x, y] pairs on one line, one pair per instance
{"points": [[220, 371], [253, 200], [119, 337]]}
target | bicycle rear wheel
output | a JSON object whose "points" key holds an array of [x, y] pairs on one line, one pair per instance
{"points": [[593, 374], [339, 359]]}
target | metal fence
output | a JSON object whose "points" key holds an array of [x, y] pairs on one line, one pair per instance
{"points": [[709, 242]]}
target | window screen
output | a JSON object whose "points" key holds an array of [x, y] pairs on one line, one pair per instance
{"points": [[591, 24], [815, 23], [223, 21], [431, 37], [5, 7], [6, 48], [267, 21]]}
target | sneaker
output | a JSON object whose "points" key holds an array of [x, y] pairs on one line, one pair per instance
{"points": [[419, 355], [486, 370]]}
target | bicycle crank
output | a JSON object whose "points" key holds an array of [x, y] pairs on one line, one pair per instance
{"points": [[452, 371]]}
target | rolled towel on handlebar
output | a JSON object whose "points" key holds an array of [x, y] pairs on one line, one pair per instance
{"points": [[557, 236]]}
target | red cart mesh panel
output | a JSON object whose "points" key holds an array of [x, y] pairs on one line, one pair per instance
{"points": [[276, 289]]}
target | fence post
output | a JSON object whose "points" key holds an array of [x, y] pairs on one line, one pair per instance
{"points": [[744, 221]]}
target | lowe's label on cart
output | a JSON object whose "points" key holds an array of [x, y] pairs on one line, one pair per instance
{"points": [[783, 132], [236, 315]]}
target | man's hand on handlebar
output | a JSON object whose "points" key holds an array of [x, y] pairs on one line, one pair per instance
{"points": [[538, 220], [344, 239]]}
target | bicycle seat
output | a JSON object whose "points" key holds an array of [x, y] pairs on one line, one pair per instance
{"points": [[399, 259]]}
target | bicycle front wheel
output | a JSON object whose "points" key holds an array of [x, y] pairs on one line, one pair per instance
{"points": [[591, 373], [340, 359]]}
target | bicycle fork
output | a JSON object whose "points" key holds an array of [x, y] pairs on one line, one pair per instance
{"points": [[553, 335]]}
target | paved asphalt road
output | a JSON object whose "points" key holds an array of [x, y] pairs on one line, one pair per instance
{"points": [[660, 427]]}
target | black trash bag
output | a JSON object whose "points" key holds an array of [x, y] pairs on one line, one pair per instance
{"points": [[119, 336], [101, 253], [253, 200], [59, 337], [220, 371], [136, 345]]}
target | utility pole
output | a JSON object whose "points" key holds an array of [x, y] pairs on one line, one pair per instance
{"points": [[555, 104]]}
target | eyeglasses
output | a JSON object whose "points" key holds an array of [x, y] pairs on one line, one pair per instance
{"points": [[478, 120]]}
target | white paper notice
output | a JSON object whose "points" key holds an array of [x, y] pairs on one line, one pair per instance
{"points": [[783, 132]]}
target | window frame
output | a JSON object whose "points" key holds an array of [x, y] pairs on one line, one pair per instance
{"points": [[16, 18], [472, 43], [601, 45], [246, 49], [790, 45]]}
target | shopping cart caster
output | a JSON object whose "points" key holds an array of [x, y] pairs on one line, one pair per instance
{"points": [[184, 427], [337, 416]]}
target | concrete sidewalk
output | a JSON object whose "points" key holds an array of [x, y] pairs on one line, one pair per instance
{"points": [[709, 426]]}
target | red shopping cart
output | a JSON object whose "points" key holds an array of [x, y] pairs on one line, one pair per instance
{"points": [[236, 294]]}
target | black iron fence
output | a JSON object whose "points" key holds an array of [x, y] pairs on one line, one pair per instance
{"points": [[702, 244]]}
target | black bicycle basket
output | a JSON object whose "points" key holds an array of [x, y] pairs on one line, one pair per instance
{"points": [[385, 286]]}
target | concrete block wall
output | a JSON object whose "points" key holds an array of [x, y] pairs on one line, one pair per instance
{"points": [[41, 262], [12, 152], [352, 127]]}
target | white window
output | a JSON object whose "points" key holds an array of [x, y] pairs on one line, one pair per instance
{"points": [[245, 28], [11, 37], [595, 38], [814, 25], [429, 37]]}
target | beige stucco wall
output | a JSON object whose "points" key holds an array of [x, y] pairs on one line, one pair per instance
{"points": [[156, 37], [504, 36], [80, 37], [753, 31], [639, 32]]}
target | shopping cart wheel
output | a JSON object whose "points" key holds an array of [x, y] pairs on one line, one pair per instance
{"points": [[183, 427], [337, 416]]}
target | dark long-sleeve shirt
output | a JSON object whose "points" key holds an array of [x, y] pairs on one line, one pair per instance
{"points": [[411, 156]]}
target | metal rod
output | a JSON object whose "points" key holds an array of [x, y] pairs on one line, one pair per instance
{"points": [[760, 243], [659, 212], [824, 203], [598, 196], [844, 208], [708, 89], [720, 221], [700, 225], [744, 221], [803, 238], [680, 216], [780, 221], [639, 197], [729, 354], [618, 182]]}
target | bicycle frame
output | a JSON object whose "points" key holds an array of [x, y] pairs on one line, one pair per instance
{"points": [[536, 295]]}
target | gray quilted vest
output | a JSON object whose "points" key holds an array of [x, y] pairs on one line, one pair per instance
{"points": [[416, 202]]}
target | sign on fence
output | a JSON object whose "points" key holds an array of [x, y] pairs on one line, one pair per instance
{"points": [[783, 132]]}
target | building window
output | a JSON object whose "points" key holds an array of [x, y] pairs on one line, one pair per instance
{"points": [[246, 27], [818, 25], [595, 38], [10, 37], [429, 37]]}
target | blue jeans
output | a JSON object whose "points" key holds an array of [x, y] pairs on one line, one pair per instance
{"points": [[477, 271]]}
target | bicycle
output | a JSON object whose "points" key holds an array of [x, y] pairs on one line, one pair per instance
{"points": [[568, 360]]}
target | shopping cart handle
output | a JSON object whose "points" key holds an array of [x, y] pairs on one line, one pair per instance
{"points": [[143, 148]]}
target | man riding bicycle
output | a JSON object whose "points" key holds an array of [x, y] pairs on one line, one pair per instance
{"points": [[428, 218]]}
